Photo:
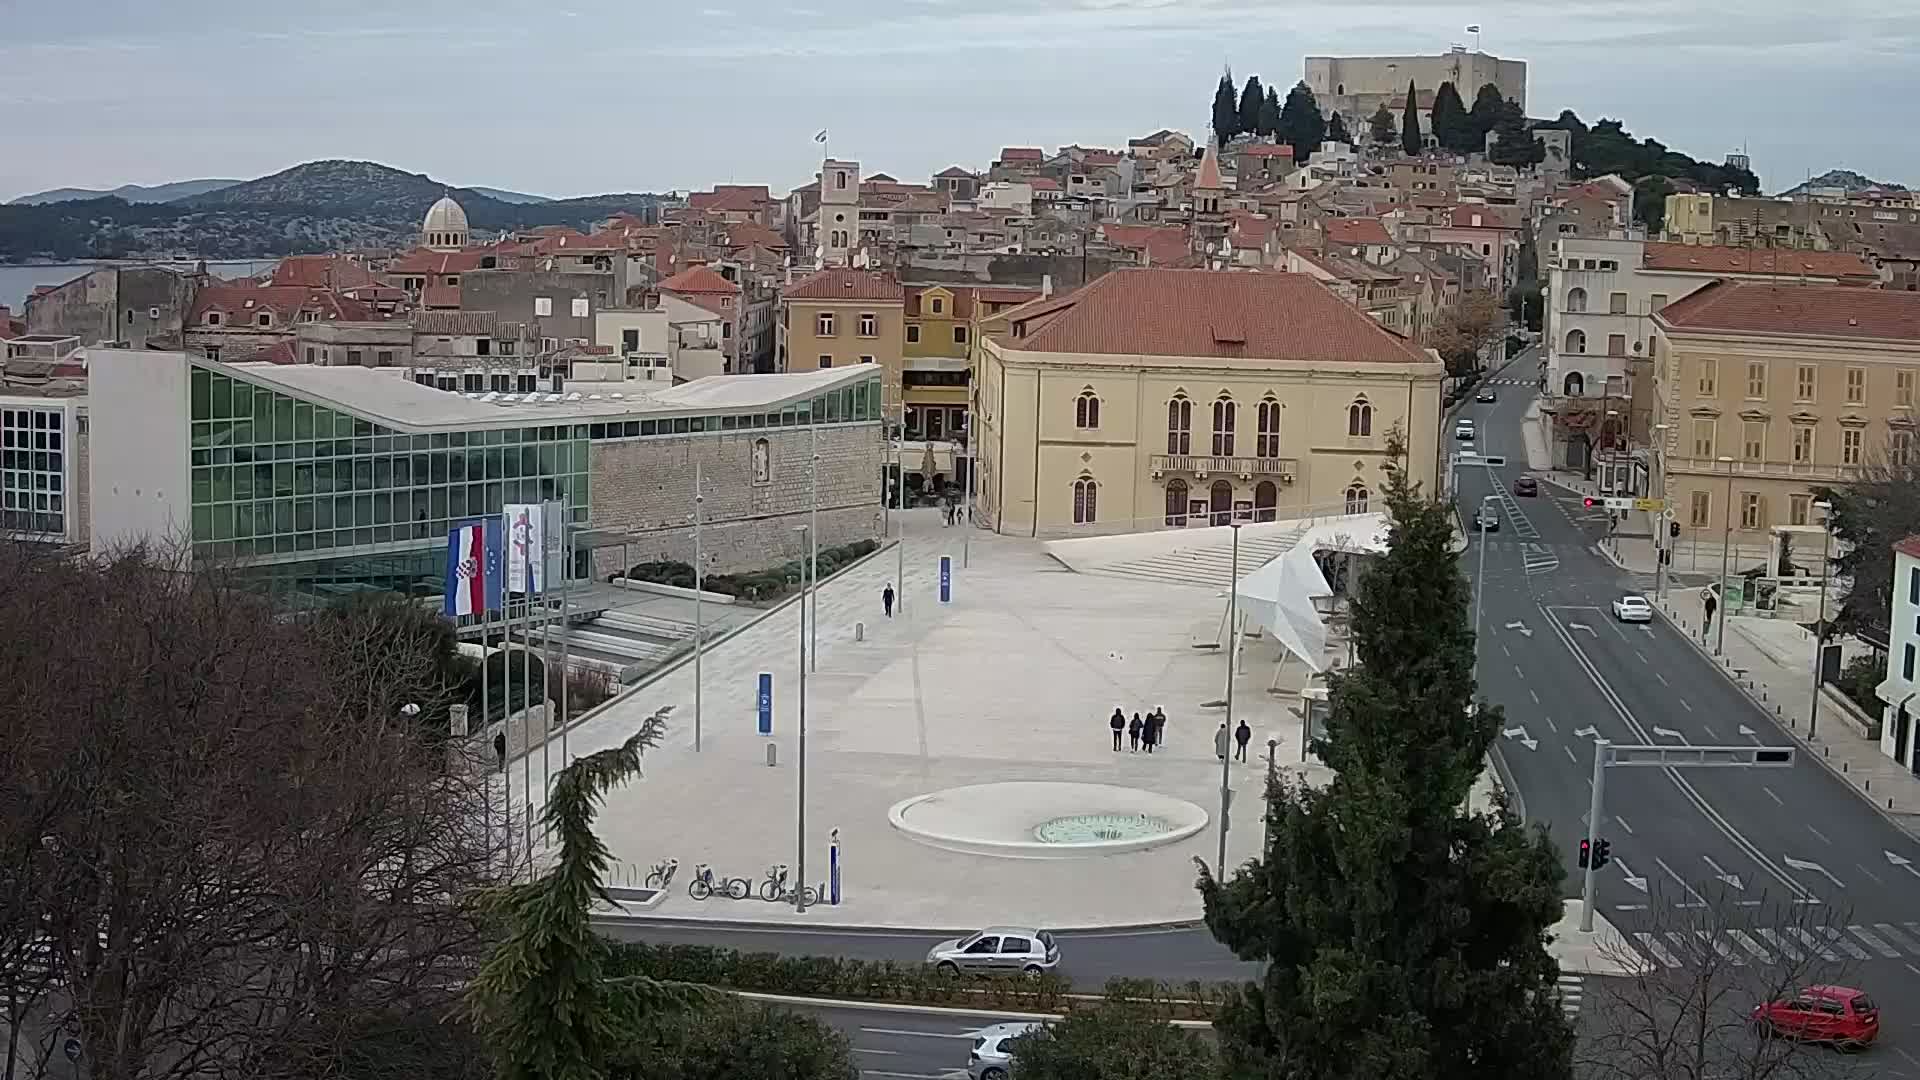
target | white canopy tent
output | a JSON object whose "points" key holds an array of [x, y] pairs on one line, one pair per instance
{"points": [[1280, 596]]}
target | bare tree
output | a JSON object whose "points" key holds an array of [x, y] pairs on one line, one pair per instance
{"points": [[236, 849], [1706, 960]]}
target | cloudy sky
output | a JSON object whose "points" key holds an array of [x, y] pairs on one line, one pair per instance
{"points": [[571, 97]]}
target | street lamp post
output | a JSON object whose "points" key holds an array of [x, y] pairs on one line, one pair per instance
{"points": [[800, 798], [699, 615], [810, 609], [1233, 660], [1662, 546], [1479, 582], [1273, 747], [1726, 551], [1820, 624]]}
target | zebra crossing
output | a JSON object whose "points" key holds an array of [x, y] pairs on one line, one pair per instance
{"points": [[1509, 380], [1570, 987], [1740, 946]]}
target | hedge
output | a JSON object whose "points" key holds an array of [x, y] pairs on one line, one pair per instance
{"points": [[756, 585], [897, 983]]}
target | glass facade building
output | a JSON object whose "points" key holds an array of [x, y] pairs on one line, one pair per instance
{"points": [[33, 470]]}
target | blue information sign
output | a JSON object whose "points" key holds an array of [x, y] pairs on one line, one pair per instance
{"points": [[764, 703], [946, 579]]}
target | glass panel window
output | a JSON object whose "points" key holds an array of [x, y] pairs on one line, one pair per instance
{"points": [[1703, 438], [1803, 445], [1754, 440], [1851, 441], [1709, 381], [1903, 387], [1700, 509], [1804, 382], [1856, 386], [1756, 380]]}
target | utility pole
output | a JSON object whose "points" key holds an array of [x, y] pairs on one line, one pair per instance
{"points": [[1233, 661], [699, 616], [1820, 624]]}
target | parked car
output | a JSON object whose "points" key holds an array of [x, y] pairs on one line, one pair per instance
{"points": [[997, 950], [1486, 394], [1840, 1015], [1633, 609], [1526, 487], [1486, 520], [1463, 430], [991, 1058]]}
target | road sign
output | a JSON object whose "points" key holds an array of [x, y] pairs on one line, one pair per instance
{"points": [[1668, 514], [1649, 504], [1613, 502]]}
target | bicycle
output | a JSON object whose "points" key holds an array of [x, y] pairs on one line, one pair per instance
{"points": [[661, 875], [704, 884], [774, 889]]}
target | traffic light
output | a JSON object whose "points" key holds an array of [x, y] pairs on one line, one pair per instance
{"points": [[1673, 529], [1586, 847], [1588, 502], [1600, 854]]}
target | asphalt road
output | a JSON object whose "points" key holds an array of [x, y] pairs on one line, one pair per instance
{"points": [[1709, 865], [897, 1045]]}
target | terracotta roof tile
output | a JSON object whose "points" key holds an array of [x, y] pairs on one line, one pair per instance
{"points": [[1044, 183], [437, 295], [843, 284], [1909, 547], [320, 272], [752, 232], [1827, 311], [463, 323], [1161, 243], [244, 298], [1729, 260], [1022, 153], [1352, 232], [1278, 150], [702, 280], [422, 261], [1210, 313]]}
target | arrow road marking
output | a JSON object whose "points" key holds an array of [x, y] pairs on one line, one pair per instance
{"points": [[1901, 862], [1802, 864], [1521, 734], [1698, 901], [1635, 882], [1587, 732], [1522, 627], [1747, 733], [1666, 733], [1731, 879], [1583, 626]]}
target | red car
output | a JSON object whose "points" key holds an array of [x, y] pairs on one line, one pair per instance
{"points": [[1842, 1016]]}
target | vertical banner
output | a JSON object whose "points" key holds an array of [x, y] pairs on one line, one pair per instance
{"points": [[553, 534], [526, 540], [833, 866], [946, 579], [474, 572], [763, 704]]}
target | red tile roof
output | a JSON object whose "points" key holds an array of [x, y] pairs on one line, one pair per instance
{"points": [[320, 272], [1161, 243], [739, 198], [1210, 313], [436, 295], [1827, 311], [1909, 547], [1354, 232], [422, 261], [1728, 260], [841, 284], [238, 299], [752, 232], [1022, 153], [1279, 150], [1249, 231], [702, 280], [1044, 183]]}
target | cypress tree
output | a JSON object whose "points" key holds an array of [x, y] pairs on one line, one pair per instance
{"points": [[1301, 125], [1251, 98], [1410, 139], [1487, 107], [1383, 129], [1404, 933], [1270, 113], [1226, 110], [1337, 130], [1451, 128]]}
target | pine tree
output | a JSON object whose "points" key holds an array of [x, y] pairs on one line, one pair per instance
{"points": [[1451, 128], [1252, 96], [1226, 111], [1410, 140], [1270, 113], [1301, 125], [1337, 130], [1514, 144], [1487, 107], [1403, 933], [1383, 129]]}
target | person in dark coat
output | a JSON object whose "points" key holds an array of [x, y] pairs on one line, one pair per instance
{"points": [[1241, 735], [886, 600], [1133, 733], [1149, 733], [1157, 720], [1119, 725]]}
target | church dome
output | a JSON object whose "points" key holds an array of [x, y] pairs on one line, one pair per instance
{"points": [[445, 225]]}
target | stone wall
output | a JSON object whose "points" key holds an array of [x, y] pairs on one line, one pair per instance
{"points": [[644, 487]]}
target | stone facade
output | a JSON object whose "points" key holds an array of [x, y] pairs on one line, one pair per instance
{"points": [[143, 306], [644, 487]]}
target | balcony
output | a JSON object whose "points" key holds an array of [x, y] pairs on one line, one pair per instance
{"points": [[1201, 467], [1776, 470]]}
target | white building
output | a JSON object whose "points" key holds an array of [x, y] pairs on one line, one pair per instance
{"points": [[1897, 736]]}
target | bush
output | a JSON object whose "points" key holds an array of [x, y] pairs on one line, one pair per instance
{"points": [[759, 586], [1857, 680]]}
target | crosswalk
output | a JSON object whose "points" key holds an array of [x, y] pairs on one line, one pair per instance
{"points": [[1509, 380], [1570, 987], [1740, 946]]}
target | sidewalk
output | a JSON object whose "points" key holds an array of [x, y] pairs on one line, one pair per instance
{"points": [[1770, 659]]}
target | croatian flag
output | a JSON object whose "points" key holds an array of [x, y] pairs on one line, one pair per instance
{"points": [[473, 567]]}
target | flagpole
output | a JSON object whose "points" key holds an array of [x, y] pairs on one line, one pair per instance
{"points": [[699, 620], [546, 669], [566, 625], [526, 685]]}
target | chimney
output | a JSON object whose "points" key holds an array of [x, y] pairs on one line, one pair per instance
{"points": [[1046, 286]]}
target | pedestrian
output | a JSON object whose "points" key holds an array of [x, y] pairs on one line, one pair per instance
{"points": [[1220, 740], [1241, 735], [1158, 722], [1119, 724], [1707, 601], [1149, 734], [1133, 733], [886, 599]]}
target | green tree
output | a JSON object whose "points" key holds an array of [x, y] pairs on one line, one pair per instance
{"points": [[1270, 113], [1301, 125], [1226, 110], [1451, 126], [1650, 203], [1252, 96], [1487, 106], [542, 999], [1337, 130], [1870, 515], [1115, 1040], [1404, 933], [1514, 143], [1382, 127], [1410, 140]]}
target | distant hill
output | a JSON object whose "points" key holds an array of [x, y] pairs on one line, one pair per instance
{"points": [[133, 193], [1845, 179], [315, 207], [518, 197]]}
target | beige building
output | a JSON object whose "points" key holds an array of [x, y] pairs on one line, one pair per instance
{"points": [[1767, 390], [1355, 86], [840, 317], [1169, 398]]}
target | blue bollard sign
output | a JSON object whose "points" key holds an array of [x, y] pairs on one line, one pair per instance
{"points": [[763, 704], [946, 579], [833, 867]]}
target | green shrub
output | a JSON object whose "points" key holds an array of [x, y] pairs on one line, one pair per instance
{"points": [[1858, 679], [757, 586], [834, 977]]}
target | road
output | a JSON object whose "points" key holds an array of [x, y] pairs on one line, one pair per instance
{"points": [[1764, 857], [898, 1045]]}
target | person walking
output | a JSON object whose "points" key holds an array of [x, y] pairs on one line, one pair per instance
{"points": [[1220, 740], [1158, 721], [1149, 734], [886, 600], [1241, 736], [1133, 733], [1119, 724]]}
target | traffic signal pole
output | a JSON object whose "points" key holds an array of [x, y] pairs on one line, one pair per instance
{"points": [[1594, 810]]}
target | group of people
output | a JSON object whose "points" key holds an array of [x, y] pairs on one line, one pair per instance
{"points": [[1142, 732], [950, 509]]}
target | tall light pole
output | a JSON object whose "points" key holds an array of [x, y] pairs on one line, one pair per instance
{"points": [[699, 585], [900, 496], [1662, 542], [1233, 660], [800, 799], [809, 611], [1479, 581], [1594, 811], [1820, 624], [1726, 550]]}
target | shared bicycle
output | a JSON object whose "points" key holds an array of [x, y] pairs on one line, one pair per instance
{"points": [[705, 884], [661, 875], [774, 890]]}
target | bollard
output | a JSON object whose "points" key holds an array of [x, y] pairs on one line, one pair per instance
{"points": [[1889, 803], [773, 754], [859, 631], [1867, 784], [1843, 768], [1825, 751]]}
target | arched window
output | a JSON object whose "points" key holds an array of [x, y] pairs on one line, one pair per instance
{"points": [[1086, 492], [1223, 410], [1220, 503], [1179, 425], [1575, 384], [1356, 498], [1086, 410], [1266, 443], [1576, 341], [1359, 418], [1266, 501], [1576, 299], [1176, 502]]}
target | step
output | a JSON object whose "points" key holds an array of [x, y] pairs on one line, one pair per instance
{"points": [[618, 645]]}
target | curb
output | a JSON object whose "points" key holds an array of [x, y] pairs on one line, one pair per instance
{"points": [[684, 922], [941, 1010]]}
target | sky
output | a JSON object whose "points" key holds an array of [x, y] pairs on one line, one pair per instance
{"points": [[575, 97]]}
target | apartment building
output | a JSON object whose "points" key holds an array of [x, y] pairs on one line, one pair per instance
{"points": [[839, 317]]}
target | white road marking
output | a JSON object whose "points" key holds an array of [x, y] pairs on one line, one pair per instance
{"points": [[882, 1053], [1622, 822], [1575, 760], [1869, 873], [1683, 704], [1777, 800], [1833, 935], [1534, 696], [1698, 900], [1517, 671], [1508, 652], [1709, 732], [1781, 943], [1741, 939], [1874, 943], [1900, 940], [1822, 837], [1662, 678], [1813, 944], [1641, 655], [1713, 941], [1550, 724], [1651, 944], [919, 1034]]}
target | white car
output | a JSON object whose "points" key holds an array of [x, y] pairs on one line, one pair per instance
{"points": [[1463, 431], [990, 1058], [1633, 609]]}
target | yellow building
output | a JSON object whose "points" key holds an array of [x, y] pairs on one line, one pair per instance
{"points": [[1167, 398], [840, 317], [943, 325], [1767, 390]]}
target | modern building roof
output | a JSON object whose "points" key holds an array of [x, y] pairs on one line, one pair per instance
{"points": [[387, 398], [845, 284], [1818, 311], [1786, 262], [1209, 313]]}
